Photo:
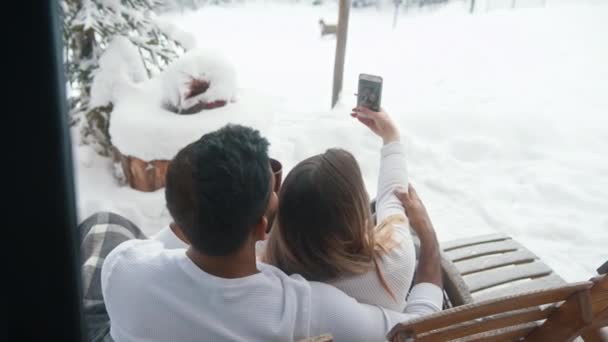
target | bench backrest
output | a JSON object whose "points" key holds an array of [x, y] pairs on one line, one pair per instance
{"points": [[517, 317]]}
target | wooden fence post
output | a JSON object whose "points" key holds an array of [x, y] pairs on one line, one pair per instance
{"points": [[340, 50]]}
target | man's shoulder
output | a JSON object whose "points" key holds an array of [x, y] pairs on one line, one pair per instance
{"points": [[134, 251], [293, 280], [316, 289], [135, 259], [322, 291]]}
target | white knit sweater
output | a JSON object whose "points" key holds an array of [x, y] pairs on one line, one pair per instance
{"points": [[399, 263]]}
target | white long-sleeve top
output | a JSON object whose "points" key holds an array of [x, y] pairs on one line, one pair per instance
{"points": [[399, 263]]}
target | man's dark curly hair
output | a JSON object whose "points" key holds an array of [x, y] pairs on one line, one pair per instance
{"points": [[218, 188]]}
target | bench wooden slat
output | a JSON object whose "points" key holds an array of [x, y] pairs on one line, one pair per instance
{"points": [[599, 294], [483, 249], [455, 287], [483, 280], [552, 280], [497, 260], [487, 324], [490, 307], [449, 245], [506, 334]]}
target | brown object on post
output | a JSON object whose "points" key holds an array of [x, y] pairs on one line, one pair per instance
{"points": [[142, 175]]}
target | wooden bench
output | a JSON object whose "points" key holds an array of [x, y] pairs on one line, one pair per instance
{"points": [[489, 266], [554, 314]]}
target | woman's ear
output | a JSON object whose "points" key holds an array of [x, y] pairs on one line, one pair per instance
{"points": [[259, 232]]}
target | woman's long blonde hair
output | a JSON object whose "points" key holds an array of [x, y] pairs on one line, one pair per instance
{"points": [[324, 228]]}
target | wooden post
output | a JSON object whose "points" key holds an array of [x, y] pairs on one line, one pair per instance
{"points": [[568, 321], [396, 15], [340, 50], [472, 8], [599, 307]]}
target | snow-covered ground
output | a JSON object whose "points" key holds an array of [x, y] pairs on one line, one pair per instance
{"points": [[504, 114]]}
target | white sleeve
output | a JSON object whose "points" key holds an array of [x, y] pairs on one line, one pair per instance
{"points": [[335, 313], [393, 174], [424, 298]]}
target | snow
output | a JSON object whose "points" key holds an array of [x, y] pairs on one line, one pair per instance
{"points": [[120, 66], [185, 39], [141, 126], [503, 114]]}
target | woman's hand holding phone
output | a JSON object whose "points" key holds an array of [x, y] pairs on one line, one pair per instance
{"points": [[379, 122]]}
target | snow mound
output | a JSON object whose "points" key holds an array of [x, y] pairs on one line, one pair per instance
{"points": [[215, 71], [120, 66], [141, 126]]}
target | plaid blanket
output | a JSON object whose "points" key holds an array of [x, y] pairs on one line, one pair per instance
{"points": [[99, 234]]}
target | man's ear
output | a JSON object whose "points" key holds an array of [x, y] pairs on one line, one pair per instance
{"points": [[259, 231], [177, 230]]}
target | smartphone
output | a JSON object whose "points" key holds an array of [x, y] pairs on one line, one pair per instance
{"points": [[369, 92]]}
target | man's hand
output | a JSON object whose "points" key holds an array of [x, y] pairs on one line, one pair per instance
{"points": [[379, 122], [415, 210], [429, 262]]}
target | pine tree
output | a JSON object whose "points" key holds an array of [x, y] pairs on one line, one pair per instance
{"points": [[88, 27]]}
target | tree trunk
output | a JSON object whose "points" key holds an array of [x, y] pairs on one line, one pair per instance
{"points": [[87, 47], [472, 9], [97, 129]]}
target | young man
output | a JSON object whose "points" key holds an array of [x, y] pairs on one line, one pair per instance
{"points": [[219, 193]]}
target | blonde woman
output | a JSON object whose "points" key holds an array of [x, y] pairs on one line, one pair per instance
{"points": [[325, 230]]}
